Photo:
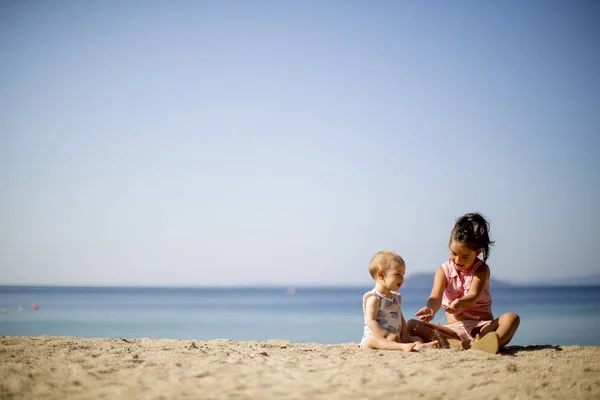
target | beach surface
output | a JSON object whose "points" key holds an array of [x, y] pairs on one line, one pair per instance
{"points": [[47, 367]]}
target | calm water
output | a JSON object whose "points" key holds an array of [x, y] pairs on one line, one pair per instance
{"points": [[549, 315]]}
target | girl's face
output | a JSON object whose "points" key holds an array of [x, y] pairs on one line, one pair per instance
{"points": [[462, 255]]}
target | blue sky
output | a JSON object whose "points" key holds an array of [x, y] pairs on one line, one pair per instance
{"points": [[233, 143]]}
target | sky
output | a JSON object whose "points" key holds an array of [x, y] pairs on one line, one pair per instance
{"points": [[201, 143]]}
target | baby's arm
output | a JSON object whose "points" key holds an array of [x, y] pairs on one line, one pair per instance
{"points": [[404, 336], [371, 310]]}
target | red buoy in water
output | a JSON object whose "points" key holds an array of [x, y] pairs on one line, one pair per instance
{"points": [[35, 306]]}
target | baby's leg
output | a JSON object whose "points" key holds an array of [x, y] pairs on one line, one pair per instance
{"points": [[505, 327], [432, 333], [377, 342]]}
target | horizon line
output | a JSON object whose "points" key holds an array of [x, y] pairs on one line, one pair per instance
{"points": [[266, 286]]}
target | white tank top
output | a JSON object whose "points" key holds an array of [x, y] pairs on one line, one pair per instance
{"points": [[390, 312]]}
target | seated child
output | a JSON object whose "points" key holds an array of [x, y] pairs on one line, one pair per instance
{"points": [[461, 287], [385, 327]]}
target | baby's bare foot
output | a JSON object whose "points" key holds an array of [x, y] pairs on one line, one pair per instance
{"points": [[408, 347], [429, 345]]}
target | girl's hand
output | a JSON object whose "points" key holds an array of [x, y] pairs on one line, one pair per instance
{"points": [[454, 307], [425, 314]]}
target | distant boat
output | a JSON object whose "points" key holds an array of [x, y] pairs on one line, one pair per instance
{"points": [[20, 308]]}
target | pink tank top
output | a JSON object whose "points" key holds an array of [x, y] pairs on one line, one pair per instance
{"points": [[458, 285]]}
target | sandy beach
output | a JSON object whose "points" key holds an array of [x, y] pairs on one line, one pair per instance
{"points": [[47, 367]]}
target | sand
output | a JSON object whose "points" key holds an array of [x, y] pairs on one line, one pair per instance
{"points": [[46, 367]]}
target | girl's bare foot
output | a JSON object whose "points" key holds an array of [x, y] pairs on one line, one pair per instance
{"points": [[488, 343], [429, 345]]}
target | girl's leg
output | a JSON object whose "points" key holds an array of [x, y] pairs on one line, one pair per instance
{"points": [[505, 327], [376, 342], [433, 332]]}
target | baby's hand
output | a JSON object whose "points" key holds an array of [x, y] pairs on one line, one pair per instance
{"points": [[392, 337], [425, 314]]}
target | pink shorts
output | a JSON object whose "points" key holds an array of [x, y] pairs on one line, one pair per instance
{"points": [[466, 329]]}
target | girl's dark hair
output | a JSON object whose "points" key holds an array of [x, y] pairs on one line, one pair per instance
{"points": [[472, 230]]}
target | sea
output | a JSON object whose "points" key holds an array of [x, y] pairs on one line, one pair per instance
{"points": [[328, 315]]}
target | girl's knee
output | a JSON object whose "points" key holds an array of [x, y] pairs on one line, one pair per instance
{"points": [[511, 318]]}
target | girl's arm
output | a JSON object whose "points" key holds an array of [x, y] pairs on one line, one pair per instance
{"points": [[371, 310], [434, 301], [480, 277]]}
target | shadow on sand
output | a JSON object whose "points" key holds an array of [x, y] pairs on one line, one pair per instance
{"points": [[512, 350]]}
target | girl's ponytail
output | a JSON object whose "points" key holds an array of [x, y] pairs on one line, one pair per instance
{"points": [[473, 230]]}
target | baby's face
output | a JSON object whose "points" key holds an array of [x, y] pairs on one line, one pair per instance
{"points": [[462, 255], [394, 275]]}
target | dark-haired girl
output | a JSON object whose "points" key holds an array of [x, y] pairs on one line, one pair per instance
{"points": [[462, 287]]}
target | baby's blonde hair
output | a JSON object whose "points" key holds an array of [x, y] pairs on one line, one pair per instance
{"points": [[382, 260]]}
